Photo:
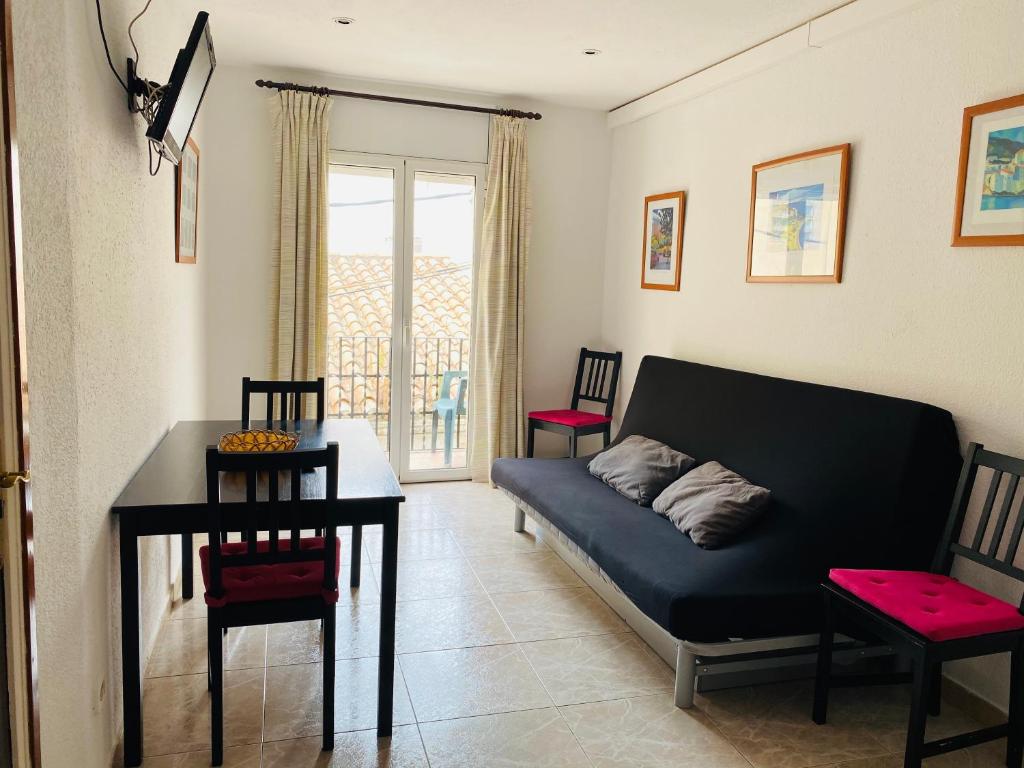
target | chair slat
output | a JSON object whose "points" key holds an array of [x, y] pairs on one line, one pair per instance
{"points": [[274, 501], [600, 380], [245, 402], [1004, 515], [296, 493], [251, 500], [590, 378], [1015, 537], [270, 406], [986, 512]]}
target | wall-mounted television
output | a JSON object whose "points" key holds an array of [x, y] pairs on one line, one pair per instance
{"points": [[184, 92]]}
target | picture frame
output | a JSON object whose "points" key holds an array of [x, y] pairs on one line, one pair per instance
{"points": [[798, 217], [990, 177], [186, 211], [661, 259]]}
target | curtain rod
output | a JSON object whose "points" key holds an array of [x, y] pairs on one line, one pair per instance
{"points": [[396, 99]]}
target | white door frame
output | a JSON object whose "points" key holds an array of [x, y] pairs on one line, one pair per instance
{"points": [[405, 168], [461, 168], [397, 166], [15, 526]]}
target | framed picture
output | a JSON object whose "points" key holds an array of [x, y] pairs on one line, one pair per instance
{"points": [[663, 241], [798, 217], [990, 184], [186, 216]]}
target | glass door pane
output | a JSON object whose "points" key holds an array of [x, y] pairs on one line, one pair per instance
{"points": [[442, 247], [361, 295]]}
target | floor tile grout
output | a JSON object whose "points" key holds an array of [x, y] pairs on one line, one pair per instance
{"points": [[462, 527]]}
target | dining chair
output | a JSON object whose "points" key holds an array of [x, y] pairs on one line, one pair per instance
{"points": [[449, 408], [594, 383], [289, 396], [933, 618], [274, 580]]}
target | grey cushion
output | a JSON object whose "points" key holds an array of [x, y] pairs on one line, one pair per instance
{"points": [[639, 468], [711, 504]]}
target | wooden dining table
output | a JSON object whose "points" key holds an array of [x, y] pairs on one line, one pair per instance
{"points": [[167, 496]]}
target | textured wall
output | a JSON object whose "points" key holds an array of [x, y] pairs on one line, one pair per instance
{"points": [[115, 346], [568, 171], [912, 317]]}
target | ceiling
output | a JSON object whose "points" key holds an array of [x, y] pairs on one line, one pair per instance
{"points": [[521, 48]]}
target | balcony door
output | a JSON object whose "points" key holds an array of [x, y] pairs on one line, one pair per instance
{"points": [[402, 246]]}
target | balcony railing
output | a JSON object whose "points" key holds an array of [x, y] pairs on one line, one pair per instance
{"points": [[359, 385]]}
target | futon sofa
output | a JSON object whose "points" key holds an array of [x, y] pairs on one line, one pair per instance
{"points": [[858, 480]]}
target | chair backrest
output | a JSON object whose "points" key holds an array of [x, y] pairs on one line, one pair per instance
{"points": [[268, 511], [447, 379], [289, 395], [594, 381], [460, 398], [999, 550]]}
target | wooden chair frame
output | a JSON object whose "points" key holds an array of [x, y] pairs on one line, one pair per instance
{"points": [[273, 515], [598, 388], [926, 655], [296, 390], [289, 397]]}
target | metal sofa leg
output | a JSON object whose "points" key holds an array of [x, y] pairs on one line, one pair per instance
{"points": [[520, 522], [686, 676]]}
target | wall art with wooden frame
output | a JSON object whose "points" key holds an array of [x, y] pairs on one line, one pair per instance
{"points": [[990, 182], [661, 261], [798, 217], [186, 211]]}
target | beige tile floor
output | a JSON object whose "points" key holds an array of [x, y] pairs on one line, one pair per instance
{"points": [[506, 659]]}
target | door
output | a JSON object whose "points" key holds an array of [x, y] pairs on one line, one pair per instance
{"points": [[19, 734], [402, 247]]}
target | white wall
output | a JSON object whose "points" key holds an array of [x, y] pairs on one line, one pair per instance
{"points": [[568, 167], [913, 317], [114, 347]]}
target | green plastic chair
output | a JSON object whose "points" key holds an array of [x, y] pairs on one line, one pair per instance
{"points": [[448, 407]]}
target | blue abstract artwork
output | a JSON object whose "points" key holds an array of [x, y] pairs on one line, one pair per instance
{"points": [[1003, 182], [796, 216]]}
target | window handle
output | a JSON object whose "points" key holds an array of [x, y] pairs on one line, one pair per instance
{"points": [[11, 479]]}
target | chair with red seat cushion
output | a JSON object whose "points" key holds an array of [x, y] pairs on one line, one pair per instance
{"points": [[270, 581], [597, 377], [933, 618], [275, 580]]}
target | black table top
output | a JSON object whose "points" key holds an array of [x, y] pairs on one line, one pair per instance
{"points": [[174, 475]]}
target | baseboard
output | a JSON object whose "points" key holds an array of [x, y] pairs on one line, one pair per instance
{"points": [[963, 698]]}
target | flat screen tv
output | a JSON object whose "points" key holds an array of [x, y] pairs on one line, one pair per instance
{"points": [[184, 91]]}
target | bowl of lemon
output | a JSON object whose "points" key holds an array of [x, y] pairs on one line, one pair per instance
{"points": [[259, 441]]}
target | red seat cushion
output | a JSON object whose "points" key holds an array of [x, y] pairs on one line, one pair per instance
{"points": [[938, 607], [570, 418], [280, 581]]}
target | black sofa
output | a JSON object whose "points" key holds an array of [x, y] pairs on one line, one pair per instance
{"points": [[857, 480]]}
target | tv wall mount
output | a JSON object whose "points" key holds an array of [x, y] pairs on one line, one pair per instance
{"points": [[143, 95]]}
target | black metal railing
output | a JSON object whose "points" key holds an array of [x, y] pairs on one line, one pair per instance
{"points": [[360, 382]]}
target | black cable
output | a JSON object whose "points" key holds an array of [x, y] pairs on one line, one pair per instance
{"points": [[159, 159], [99, 18]]}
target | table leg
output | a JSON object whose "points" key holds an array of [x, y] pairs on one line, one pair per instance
{"points": [[186, 566], [131, 669], [388, 596], [357, 554]]}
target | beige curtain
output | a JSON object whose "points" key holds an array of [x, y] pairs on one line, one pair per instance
{"points": [[299, 329], [496, 368]]}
